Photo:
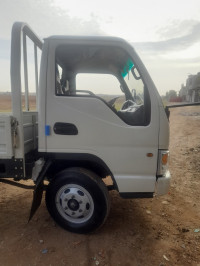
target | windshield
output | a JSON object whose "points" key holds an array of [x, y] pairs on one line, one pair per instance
{"points": [[134, 82]]}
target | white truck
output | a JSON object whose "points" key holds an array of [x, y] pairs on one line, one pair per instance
{"points": [[98, 114]]}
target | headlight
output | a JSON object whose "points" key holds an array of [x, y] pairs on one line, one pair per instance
{"points": [[163, 161]]}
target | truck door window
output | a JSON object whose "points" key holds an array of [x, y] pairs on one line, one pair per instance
{"points": [[136, 86], [107, 73], [104, 86], [135, 111]]}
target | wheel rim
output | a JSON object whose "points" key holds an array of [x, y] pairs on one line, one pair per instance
{"points": [[74, 203]]}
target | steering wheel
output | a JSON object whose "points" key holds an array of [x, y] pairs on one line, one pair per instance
{"points": [[127, 104]]}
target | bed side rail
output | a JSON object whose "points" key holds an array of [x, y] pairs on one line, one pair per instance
{"points": [[20, 32]]}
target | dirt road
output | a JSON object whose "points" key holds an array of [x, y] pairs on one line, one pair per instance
{"points": [[159, 231]]}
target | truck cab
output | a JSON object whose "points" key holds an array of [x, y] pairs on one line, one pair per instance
{"points": [[99, 115]]}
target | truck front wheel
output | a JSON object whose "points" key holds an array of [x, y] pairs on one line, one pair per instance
{"points": [[78, 200]]}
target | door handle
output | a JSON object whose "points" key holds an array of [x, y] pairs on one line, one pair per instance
{"points": [[61, 128]]}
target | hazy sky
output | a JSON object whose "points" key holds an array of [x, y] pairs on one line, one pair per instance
{"points": [[166, 34]]}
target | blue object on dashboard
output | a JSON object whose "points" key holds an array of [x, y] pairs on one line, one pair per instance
{"points": [[127, 68]]}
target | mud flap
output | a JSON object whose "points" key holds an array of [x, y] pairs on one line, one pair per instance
{"points": [[37, 198], [38, 191]]}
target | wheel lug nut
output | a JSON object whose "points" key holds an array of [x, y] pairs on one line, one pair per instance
{"points": [[80, 202], [73, 213], [66, 208], [73, 196], [80, 210]]}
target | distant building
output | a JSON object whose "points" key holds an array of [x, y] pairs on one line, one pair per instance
{"points": [[191, 91]]}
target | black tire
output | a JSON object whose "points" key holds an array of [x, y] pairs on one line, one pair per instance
{"points": [[74, 191]]}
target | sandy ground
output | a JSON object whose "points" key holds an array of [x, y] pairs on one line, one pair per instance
{"points": [[6, 105], [159, 231]]}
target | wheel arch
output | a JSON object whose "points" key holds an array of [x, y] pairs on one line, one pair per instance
{"points": [[90, 162]]}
